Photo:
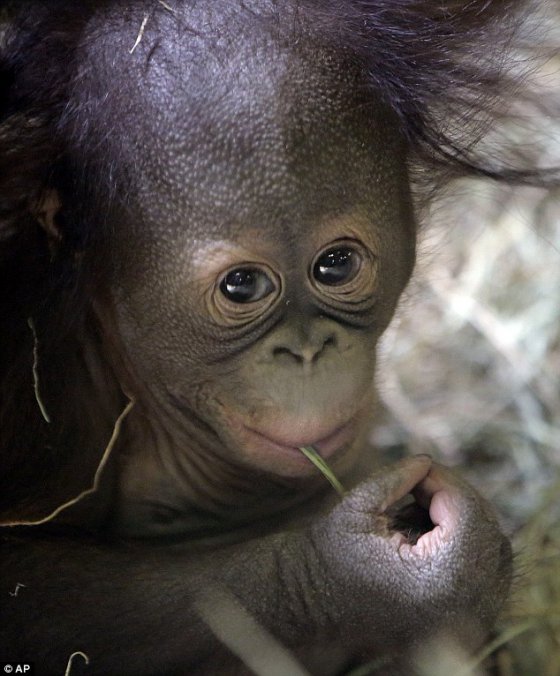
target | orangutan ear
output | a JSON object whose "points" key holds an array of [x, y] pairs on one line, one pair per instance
{"points": [[45, 212]]}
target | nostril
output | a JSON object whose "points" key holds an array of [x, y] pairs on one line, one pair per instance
{"points": [[309, 353], [286, 352], [329, 342], [314, 354]]}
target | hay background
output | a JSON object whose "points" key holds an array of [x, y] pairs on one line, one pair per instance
{"points": [[470, 371]]}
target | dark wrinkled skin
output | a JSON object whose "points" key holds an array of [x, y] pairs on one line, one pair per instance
{"points": [[265, 158]]}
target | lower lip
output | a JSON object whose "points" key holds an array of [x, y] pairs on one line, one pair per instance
{"points": [[326, 447]]}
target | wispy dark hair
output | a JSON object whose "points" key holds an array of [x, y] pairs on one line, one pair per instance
{"points": [[444, 68]]}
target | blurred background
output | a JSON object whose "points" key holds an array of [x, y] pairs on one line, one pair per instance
{"points": [[470, 370]]}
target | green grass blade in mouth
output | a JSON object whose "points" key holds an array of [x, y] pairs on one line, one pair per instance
{"points": [[312, 455]]}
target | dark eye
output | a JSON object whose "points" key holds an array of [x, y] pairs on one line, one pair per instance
{"points": [[246, 285], [337, 266]]}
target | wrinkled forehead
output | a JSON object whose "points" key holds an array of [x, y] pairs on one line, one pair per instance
{"points": [[228, 124]]}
